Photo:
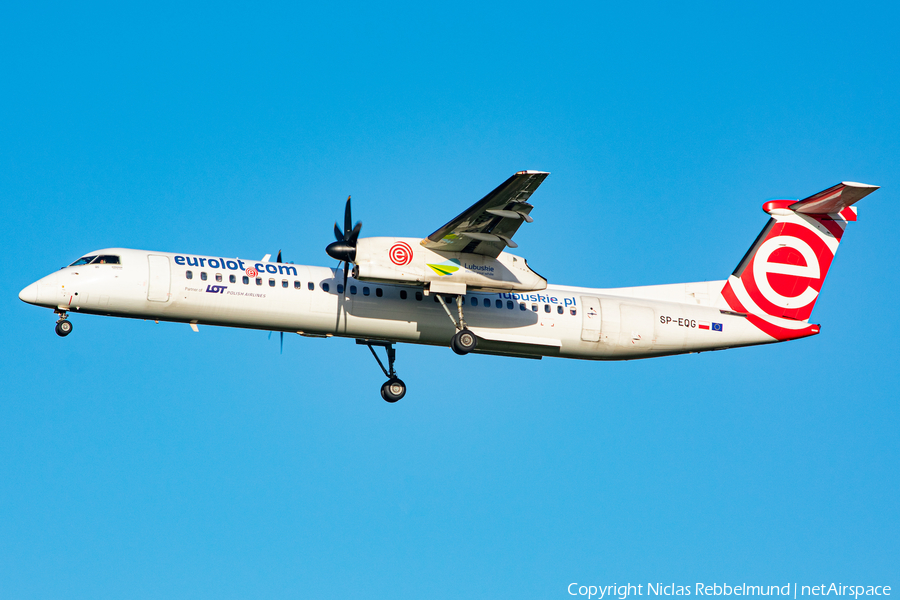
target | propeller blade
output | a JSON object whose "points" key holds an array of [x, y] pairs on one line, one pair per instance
{"points": [[281, 333], [270, 335], [347, 220], [351, 239], [343, 249], [278, 260], [346, 264]]}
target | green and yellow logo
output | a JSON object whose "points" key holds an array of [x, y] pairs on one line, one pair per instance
{"points": [[445, 268]]}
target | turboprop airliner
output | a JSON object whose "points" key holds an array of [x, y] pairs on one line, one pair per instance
{"points": [[460, 287]]}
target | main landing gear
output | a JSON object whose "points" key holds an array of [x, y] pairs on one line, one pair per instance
{"points": [[464, 341], [63, 326], [394, 388]]}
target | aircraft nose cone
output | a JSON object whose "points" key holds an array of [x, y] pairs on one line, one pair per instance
{"points": [[29, 294]]}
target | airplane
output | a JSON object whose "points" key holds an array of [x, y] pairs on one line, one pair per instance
{"points": [[460, 286]]}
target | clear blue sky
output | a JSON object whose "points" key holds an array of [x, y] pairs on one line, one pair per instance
{"points": [[147, 461]]}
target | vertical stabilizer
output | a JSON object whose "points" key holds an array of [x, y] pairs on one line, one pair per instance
{"points": [[778, 281]]}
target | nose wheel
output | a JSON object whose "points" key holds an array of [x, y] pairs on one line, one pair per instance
{"points": [[393, 389], [63, 326]]}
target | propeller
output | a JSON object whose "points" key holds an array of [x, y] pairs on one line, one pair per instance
{"points": [[280, 333], [344, 249]]}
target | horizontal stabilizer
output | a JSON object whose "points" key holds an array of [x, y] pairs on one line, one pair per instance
{"points": [[834, 199]]}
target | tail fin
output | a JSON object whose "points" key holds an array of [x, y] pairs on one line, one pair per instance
{"points": [[779, 279]]}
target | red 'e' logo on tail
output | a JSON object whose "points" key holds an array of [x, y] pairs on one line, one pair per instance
{"points": [[786, 273]]}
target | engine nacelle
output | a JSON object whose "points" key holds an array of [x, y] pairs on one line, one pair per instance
{"points": [[405, 260]]}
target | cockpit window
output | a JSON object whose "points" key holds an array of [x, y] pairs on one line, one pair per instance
{"points": [[106, 260], [83, 261], [103, 259]]}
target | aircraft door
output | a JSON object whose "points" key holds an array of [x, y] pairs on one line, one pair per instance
{"points": [[160, 278], [638, 326], [590, 319]]}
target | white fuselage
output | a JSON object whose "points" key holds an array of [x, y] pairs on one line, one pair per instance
{"points": [[572, 322]]}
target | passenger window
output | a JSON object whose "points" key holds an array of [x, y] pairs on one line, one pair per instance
{"points": [[523, 307], [232, 279], [573, 312], [487, 302], [189, 274], [324, 287], [219, 277], [559, 309], [546, 308], [378, 292], [311, 286], [271, 283], [418, 295], [365, 291], [474, 301], [534, 308], [203, 275], [259, 281], [340, 288], [403, 294], [509, 304], [297, 285], [245, 280], [353, 289], [498, 303], [284, 283]]}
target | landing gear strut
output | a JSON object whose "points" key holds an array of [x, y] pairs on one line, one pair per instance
{"points": [[63, 326], [394, 388], [464, 341]]}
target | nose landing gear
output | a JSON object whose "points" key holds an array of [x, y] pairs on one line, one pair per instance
{"points": [[63, 325], [394, 388]]}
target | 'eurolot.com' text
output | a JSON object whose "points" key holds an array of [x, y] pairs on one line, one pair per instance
{"points": [[791, 590]]}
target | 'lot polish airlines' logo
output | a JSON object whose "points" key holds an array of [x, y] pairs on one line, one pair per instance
{"points": [[400, 254]]}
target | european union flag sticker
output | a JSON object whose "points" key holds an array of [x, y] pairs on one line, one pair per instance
{"points": [[717, 327]]}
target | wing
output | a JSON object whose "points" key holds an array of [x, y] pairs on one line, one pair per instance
{"points": [[488, 225]]}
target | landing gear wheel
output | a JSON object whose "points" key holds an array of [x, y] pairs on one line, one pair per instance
{"points": [[393, 389], [63, 328], [463, 342]]}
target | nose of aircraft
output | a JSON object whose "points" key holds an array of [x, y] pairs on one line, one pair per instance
{"points": [[29, 294]]}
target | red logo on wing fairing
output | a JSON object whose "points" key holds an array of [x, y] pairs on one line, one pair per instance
{"points": [[400, 254]]}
